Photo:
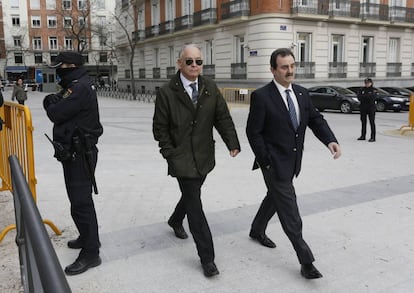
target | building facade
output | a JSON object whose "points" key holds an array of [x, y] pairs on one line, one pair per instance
{"points": [[335, 42], [33, 32]]}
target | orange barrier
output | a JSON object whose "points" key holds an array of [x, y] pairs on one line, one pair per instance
{"points": [[16, 138], [410, 126]]}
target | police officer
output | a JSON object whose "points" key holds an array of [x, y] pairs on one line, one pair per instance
{"points": [[76, 129], [367, 97]]}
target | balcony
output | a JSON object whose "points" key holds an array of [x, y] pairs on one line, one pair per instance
{"points": [[141, 72], [312, 7], [394, 69], [369, 11], [367, 69], [151, 31], [166, 27], [206, 16], [171, 71], [183, 22], [338, 69], [209, 70], [238, 71], [138, 35], [305, 70], [235, 8], [156, 72]]}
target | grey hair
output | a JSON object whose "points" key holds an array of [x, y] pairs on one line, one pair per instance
{"points": [[180, 55]]}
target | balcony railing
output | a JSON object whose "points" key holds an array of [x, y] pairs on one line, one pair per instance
{"points": [[374, 11], [238, 71], [311, 7], [394, 69], [367, 69], [151, 31], [141, 73], [138, 35], [166, 27], [156, 72], [171, 71], [206, 16], [305, 69], [338, 69], [183, 22], [235, 8], [209, 70]]}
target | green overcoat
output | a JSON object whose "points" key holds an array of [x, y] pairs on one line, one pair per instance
{"points": [[185, 133]]}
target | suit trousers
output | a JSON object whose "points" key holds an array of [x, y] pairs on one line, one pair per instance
{"points": [[281, 198], [370, 112], [190, 205], [79, 189]]}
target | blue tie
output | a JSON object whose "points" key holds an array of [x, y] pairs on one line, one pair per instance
{"points": [[292, 111], [194, 95]]}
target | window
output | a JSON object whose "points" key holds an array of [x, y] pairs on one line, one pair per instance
{"points": [[15, 20], [171, 58], [17, 41], [83, 44], [35, 21], [187, 7], [38, 58], [82, 5], [53, 45], [103, 57], [18, 57], [206, 4], [155, 10], [102, 40], [101, 21], [337, 50], [367, 49], [156, 57], [169, 11], [51, 4], [393, 50], [37, 43], [304, 47], [67, 22], [68, 43], [35, 4], [14, 3], [240, 49], [51, 22], [67, 4], [208, 54], [141, 18], [82, 21], [100, 4]]}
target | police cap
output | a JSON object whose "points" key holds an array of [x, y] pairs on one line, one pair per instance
{"points": [[67, 57], [368, 80]]}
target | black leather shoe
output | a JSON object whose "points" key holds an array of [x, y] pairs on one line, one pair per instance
{"points": [[210, 269], [82, 264], [263, 240], [371, 140], [178, 231], [361, 138], [77, 243], [309, 271]]}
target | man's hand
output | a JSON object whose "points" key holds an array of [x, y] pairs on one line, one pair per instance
{"points": [[50, 99], [335, 149], [234, 152]]}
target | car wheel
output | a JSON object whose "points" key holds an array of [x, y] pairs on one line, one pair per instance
{"points": [[397, 110], [380, 106], [346, 107]]}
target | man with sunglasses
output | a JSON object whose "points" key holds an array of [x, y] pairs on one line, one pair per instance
{"points": [[186, 110]]}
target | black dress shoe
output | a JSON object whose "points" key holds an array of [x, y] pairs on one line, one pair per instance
{"points": [[263, 239], [371, 140], [361, 138], [210, 269], [82, 264], [178, 231], [310, 272], [77, 243]]}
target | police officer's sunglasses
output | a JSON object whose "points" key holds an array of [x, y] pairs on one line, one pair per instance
{"points": [[189, 62]]}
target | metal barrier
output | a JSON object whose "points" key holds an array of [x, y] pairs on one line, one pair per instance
{"points": [[39, 266], [16, 138], [237, 95], [410, 126]]}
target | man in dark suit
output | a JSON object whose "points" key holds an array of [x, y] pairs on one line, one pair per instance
{"points": [[279, 114], [186, 111]]}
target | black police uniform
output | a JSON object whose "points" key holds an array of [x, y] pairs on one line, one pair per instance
{"points": [[74, 112], [367, 107]]}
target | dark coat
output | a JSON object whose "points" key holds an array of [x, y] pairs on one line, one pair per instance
{"points": [[185, 133], [367, 97], [271, 135], [19, 93]]}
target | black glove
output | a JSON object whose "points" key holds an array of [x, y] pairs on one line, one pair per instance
{"points": [[50, 99]]}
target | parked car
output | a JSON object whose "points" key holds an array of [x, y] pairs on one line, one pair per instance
{"points": [[31, 83], [397, 91], [386, 101], [334, 98]]}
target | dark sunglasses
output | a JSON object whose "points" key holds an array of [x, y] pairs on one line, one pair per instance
{"points": [[190, 62]]}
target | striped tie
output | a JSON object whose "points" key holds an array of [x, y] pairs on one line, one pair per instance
{"points": [[194, 95], [292, 111]]}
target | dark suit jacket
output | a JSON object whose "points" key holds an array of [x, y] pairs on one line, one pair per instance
{"points": [[271, 134]]}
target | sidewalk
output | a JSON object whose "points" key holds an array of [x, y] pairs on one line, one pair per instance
{"points": [[357, 211]]}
